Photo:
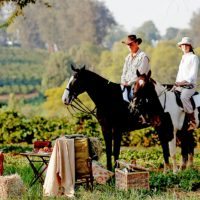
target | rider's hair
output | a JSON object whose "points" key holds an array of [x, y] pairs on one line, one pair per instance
{"points": [[191, 49]]}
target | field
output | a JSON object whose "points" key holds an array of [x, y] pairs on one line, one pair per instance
{"points": [[183, 185]]}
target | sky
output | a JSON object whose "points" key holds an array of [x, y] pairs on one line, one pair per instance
{"points": [[164, 13]]}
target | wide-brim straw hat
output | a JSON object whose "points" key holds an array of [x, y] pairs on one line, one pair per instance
{"points": [[186, 40]]}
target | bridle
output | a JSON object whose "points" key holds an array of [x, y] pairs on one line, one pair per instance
{"points": [[77, 104]]}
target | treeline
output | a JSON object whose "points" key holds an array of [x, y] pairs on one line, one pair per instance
{"points": [[52, 37], [63, 24], [41, 70]]}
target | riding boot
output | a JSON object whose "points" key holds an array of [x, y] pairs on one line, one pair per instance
{"points": [[191, 121]]}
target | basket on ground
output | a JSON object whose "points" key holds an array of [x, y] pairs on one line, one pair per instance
{"points": [[131, 176]]}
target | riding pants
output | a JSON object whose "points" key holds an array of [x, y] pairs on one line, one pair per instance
{"points": [[185, 98]]}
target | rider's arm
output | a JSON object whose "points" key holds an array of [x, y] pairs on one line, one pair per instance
{"points": [[191, 76], [182, 83], [144, 66], [124, 73], [193, 72]]}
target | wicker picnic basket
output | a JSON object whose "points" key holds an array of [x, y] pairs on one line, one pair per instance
{"points": [[130, 176]]}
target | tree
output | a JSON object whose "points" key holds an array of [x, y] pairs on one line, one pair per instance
{"points": [[115, 34], [18, 6], [86, 54], [195, 28], [165, 61], [19, 3], [65, 23], [103, 20], [53, 105], [171, 33], [150, 31], [56, 70], [183, 33]]}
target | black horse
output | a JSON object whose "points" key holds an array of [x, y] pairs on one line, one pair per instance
{"points": [[112, 111]]}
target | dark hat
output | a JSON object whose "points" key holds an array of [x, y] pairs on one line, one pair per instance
{"points": [[132, 38]]}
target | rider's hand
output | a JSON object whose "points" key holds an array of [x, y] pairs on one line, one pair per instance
{"points": [[177, 84], [182, 83], [173, 88], [125, 84]]}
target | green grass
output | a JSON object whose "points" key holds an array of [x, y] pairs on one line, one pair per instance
{"points": [[184, 185]]}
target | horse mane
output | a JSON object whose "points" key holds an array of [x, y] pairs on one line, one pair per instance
{"points": [[95, 76]]}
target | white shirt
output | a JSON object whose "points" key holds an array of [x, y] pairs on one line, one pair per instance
{"points": [[188, 68], [138, 61]]}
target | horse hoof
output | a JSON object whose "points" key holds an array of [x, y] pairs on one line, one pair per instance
{"points": [[190, 165], [190, 161], [167, 168], [182, 167], [175, 170]]}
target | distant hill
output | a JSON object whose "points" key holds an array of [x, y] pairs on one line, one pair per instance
{"points": [[21, 71]]}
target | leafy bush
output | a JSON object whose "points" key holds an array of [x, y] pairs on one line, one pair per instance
{"points": [[16, 128], [187, 180]]}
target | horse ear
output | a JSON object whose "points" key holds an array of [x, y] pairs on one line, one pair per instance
{"points": [[138, 73], [73, 68], [149, 74], [83, 68]]}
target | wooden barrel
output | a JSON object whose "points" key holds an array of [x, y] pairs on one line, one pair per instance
{"points": [[81, 156]]}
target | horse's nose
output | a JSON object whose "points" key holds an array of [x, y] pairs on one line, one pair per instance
{"points": [[64, 100]]}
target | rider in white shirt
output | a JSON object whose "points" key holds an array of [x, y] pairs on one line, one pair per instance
{"points": [[136, 59], [186, 79]]}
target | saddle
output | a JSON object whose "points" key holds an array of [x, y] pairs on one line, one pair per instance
{"points": [[195, 99]]}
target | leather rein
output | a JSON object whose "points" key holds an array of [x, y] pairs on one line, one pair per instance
{"points": [[77, 104]]}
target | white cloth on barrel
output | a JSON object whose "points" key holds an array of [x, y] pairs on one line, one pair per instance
{"points": [[60, 176]]}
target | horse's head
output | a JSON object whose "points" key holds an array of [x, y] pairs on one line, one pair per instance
{"points": [[142, 93], [141, 83], [146, 101], [75, 86]]}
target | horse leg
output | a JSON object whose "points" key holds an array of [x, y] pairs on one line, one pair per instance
{"points": [[172, 150], [184, 149], [108, 142], [117, 143], [107, 134], [166, 134], [191, 145], [165, 148]]}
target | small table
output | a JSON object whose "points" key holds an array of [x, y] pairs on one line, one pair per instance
{"points": [[33, 158]]}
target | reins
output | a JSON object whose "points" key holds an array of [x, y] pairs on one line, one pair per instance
{"points": [[77, 104]]}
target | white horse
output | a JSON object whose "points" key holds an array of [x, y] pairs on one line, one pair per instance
{"points": [[150, 96]]}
